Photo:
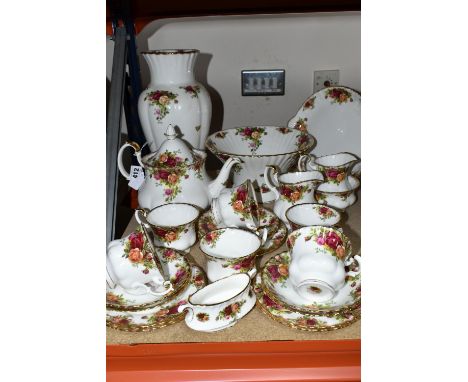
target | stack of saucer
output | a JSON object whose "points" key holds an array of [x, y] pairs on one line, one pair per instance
{"points": [[139, 310], [281, 297]]}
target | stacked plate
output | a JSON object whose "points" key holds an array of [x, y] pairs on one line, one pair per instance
{"points": [[144, 312], [278, 299]]}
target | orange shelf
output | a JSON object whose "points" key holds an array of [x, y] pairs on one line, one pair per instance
{"points": [[238, 361]]}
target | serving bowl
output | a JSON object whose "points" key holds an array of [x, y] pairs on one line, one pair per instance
{"points": [[258, 147]]}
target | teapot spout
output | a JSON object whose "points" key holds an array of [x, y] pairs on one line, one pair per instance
{"points": [[217, 185]]}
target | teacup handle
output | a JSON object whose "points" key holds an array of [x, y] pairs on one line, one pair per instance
{"points": [[263, 236], [350, 261], [252, 272], [146, 289], [270, 181], [186, 307], [304, 161]]}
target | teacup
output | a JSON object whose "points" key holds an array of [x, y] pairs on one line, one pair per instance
{"points": [[219, 305], [318, 259], [173, 225], [236, 207], [132, 264], [335, 167], [291, 188], [311, 214], [326, 194], [229, 251]]}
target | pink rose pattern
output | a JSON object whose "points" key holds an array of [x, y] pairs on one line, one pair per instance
{"points": [[252, 135], [193, 90], [243, 265], [136, 250], [306, 321], [293, 194], [169, 170], [243, 204], [161, 99], [230, 311], [338, 95], [212, 237], [169, 235], [278, 270], [335, 175], [331, 240], [324, 212]]}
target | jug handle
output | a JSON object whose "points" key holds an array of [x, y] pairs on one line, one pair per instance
{"points": [[182, 308], [136, 147], [270, 181], [304, 160]]}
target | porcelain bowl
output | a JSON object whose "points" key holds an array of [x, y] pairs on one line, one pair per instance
{"points": [[258, 147]]}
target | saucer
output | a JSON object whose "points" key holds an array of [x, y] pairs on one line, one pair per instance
{"points": [[276, 284], [277, 231], [325, 321], [179, 270], [159, 316]]}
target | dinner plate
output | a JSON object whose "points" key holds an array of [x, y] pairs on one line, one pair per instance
{"points": [[333, 117]]}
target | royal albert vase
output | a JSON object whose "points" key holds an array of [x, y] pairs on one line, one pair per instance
{"points": [[174, 97]]}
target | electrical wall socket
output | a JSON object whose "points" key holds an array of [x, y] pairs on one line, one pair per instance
{"points": [[325, 78]]}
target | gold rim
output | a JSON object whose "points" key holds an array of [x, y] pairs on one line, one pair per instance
{"points": [[149, 305], [285, 321], [302, 181], [174, 226], [230, 258], [341, 193], [357, 159], [146, 327], [221, 302], [170, 295], [295, 152], [311, 204], [170, 51], [320, 312]]}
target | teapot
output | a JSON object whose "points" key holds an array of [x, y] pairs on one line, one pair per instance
{"points": [[175, 173]]}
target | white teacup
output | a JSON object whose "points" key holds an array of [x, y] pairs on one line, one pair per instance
{"points": [[236, 207], [132, 265], [229, 251], [318, 259], [219, 305], [311, 214], [173, 225]]}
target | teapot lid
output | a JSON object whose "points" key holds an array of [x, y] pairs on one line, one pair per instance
{"points": [[172, 151]]}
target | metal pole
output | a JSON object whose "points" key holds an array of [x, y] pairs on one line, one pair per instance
{"points": [[114, 118]]}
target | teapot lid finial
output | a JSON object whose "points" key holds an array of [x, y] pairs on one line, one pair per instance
{"points": [[170, 132]]}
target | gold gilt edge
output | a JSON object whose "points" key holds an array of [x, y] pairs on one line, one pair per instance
{"points": [[284, 321]]}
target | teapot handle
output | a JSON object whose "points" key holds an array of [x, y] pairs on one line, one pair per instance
{"points": [[304, 160], [270, 181], [120, 164]]}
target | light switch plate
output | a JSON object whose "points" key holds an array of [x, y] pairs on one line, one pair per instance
{"points": [[325, 78], [263, 82]]}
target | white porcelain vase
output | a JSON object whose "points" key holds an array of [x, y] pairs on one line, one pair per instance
{"points": [[174, 97]]}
